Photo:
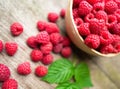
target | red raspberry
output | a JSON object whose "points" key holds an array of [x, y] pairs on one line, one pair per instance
{"points": [[31, 42], [117, 48], [84, 8], [41, 25], [118, 3], [47, 59], [1, 46], [107, 49], [62, 13], [4, 73], [11, 48], [57, 48], [41, 71], [24, 68], [97, 7], [10, 84], [56, 38], [88, 17], [52, 28], [92, 41], [46, 48], [75, 13], [93, 1], [36, 55], [111, 7], [66, 52], [16, 29], [116, 39], [53, 17], [78, 21], [43, 37], [76, 3], [116, 29], [117, 14], [66, 41], [84, 29]]}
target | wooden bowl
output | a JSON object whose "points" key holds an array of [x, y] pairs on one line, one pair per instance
{"points": [[75, 36]]}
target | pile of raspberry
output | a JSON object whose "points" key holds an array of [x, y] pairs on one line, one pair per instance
{"points": [[98, 22]]}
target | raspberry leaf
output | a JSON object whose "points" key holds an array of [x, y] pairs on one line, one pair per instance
{"points": [[60, 71], [82, 75]]}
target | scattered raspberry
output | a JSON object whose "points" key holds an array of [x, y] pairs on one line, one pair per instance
{"points": [[16, 29], [10, 84], [78, 21], [88, 17], [92, 41], [47, 59], [97, 7], [116, 29], [66, 41], [53, 17], [57, 48], [66, 52], [84, 29], [41, 71], [43, 37], [46, 48], [84, 8], [1, 46], [117, 14], [75, 13], [31, 42], [41, 25], [4, 73], [36, 55], [24, 68], [11, 48], [62, 13], [93, 1], [111, 7], [52, 28]]}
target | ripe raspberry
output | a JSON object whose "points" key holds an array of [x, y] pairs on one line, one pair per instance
{"points": [[1, 46], [11, 48], [116, 39], [10, 84], [57, 48], [76, 3], [41, 71], [66, 41], [111, 7], [41, 25], [117, 48], [55, 38], [97, 7], [93, 1], [66, 52], [75, 13], [53, 17], [16, 29], [84, 29], [52, 28], [117, 14], [46, 48], [4, 73], [62, 13], [24, 68], [116, 29], [92, 41], [36, 55], [118, 3], [84, 8], [78, 21], [31, 42], [47, 59], [43, 37], [88, 17]]}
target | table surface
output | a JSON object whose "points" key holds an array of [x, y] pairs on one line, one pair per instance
{"points": [[105, 72]]}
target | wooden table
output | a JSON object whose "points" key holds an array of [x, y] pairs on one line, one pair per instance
{"points": [[105, 72]]}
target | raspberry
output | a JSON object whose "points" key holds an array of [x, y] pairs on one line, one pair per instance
{"points": [[52, 28], [62, 13], [24, 68], [41, 25], [117, 14], [41, 71], [4, 73], [116, 29], [75, 13], [55, 38], [43, 37], [16, 29], [46, 48], [111, 7], [66, 41], [1, 46], [11, 48], [116, 39], [101, 15], [78, 21], [66, 52], [84, 29], [36, 55], [31, 42], [84, 8], [97, 7], [76, 3], [47, 59], [88, 17], [107, 49], [117, 47], [10, 84], [92, 41], [57, 48], [53, 17], [93, 1], [118, 3]]}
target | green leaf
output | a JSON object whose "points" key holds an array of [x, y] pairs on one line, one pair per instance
{"points": [[82, 75], [60, 71]]}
